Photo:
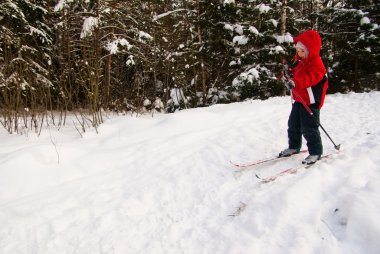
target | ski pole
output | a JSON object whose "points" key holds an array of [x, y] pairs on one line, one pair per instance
{"points": [[337, 147]]}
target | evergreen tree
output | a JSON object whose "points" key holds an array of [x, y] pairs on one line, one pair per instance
{"points": [[259, 48], [150, 55], [25, 60], [352, 45]]}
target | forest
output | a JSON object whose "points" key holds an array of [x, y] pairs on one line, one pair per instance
{"points": [[90, 57]]}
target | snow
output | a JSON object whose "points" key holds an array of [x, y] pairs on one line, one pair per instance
{"points": [[113, 46], [239, 29], [160, 16], [89, 25], [287, 38], [247, 76], [240, 40], [130, 61], [43, 37], [263, 8], [63, 4], [364, 20], [229, 27], [227, 2], [147, 102], [144, 36], [274, 22], [164, 184], [277, 50], [253, 30], [177, 95]]}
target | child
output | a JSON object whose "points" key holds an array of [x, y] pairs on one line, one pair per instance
{"points": [[308, 86]]}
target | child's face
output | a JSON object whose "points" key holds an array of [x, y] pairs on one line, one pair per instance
{"points": [[301, 53]]}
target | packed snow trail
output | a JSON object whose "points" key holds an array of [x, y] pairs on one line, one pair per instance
{"points": [[165, 184]]}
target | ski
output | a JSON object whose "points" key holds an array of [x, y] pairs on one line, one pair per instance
{"points": [[291, 170], [262, 161]]}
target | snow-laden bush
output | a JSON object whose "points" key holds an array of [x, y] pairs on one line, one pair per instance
{"points": [[257, 82]]}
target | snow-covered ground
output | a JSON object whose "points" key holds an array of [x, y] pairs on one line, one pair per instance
{"points": [[166, 185]]}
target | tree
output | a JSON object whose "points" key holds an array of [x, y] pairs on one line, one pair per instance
{"points": [[352, 44], [25, 54], [93, 56]]}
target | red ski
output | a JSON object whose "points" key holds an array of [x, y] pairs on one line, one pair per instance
{"points": [[291, 170], [262, 161]]}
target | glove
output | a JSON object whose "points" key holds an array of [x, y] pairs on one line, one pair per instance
{"points": [[290, 84]]}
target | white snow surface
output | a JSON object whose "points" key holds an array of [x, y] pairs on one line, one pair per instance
{"points": [[165, 184]]}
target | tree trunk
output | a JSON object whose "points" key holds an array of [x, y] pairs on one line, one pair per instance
{"points": [[202, 65], [283, 17]]}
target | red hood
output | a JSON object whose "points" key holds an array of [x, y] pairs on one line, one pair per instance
{"points": [[312, 40]]}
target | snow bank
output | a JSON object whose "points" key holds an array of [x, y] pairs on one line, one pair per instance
{"points": [[165, 184]]}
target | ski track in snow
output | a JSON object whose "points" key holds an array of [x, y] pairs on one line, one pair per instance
{"points": [[165, 184]]}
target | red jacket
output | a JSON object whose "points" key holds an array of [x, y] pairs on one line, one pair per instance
{"points": [[309, 74]]}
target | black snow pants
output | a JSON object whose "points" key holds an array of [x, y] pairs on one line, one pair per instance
{"points": [[302, 123]]}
